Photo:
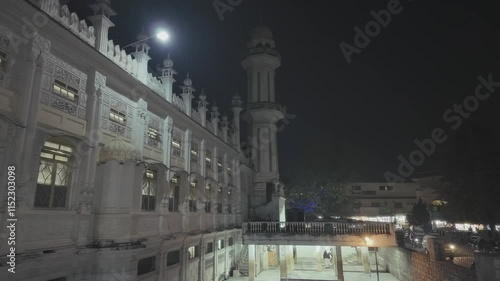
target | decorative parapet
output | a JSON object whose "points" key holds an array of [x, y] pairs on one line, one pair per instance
{"points": [[121, 58], [155, 84], [116, 54], [178, 102], [70, 20], [318, 228], [196, 116], [210, 127]]}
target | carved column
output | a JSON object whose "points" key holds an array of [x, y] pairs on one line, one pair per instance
{"points": [[340, 266], [251, 263], [28, 148], [167, 141]]}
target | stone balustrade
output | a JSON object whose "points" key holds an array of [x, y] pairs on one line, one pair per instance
{"points": [[318, 228]]}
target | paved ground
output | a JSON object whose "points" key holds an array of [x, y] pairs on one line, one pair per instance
{"points": [[273, 275]]}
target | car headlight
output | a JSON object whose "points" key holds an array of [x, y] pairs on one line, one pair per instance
{"points": [[452, 247]]}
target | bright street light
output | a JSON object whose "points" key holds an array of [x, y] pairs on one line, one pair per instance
{"points": [[161, 35]]}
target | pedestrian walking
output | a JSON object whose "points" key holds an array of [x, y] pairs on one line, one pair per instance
{"points": [[326, 258]]}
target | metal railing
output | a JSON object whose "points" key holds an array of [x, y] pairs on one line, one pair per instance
{"points": [[318, 228]]}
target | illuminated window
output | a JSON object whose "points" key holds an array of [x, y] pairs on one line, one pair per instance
{"points": [[220, 244], [149, 190], [53, 176], [117, 117], [65, 91], [208, 160], [229, 200], [386, 188], [208, 204], [173, 199], [219, 165], [193, 252], [229, 174], [176, 148], [154, 134], [194, 153]]}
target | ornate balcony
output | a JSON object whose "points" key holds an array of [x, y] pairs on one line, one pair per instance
{"points": [[371, 234]]}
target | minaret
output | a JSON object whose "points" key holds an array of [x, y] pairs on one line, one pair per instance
{"points": [[167, 77], [142, 57], [237, 107], [262, 113], [102, 23], [187, 94]]}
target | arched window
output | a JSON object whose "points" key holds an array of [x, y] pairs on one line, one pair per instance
{"points": [[208, 197], [173, 198], [193, 196], [149, 184], [52, 190]]}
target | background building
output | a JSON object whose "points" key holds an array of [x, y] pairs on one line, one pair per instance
{"points": [[117, 176], [384, 201]]}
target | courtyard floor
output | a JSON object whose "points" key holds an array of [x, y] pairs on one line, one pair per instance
{"points": [[274, 275]]}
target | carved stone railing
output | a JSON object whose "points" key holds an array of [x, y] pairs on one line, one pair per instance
{"points": [[179, 103], [70, 20], [318, 228], [196, 116]]}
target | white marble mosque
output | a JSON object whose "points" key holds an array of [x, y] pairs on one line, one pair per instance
{"points": [[122, 175]]}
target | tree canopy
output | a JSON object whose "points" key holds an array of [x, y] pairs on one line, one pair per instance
{"points": [[419, 215], [472, 171], [321, 194]]}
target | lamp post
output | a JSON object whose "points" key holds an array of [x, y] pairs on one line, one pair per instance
{"points": [[376, 263], [161, 35]]}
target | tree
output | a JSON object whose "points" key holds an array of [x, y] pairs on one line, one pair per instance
{"points": [[473, 174], [419, 215], [321, 194], [334, 200]]}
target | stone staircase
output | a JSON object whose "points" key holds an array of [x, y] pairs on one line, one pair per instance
{"points": [[243, 261]]}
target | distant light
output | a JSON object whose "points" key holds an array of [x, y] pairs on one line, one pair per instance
{"points": [[162, 36], [452, 247], [320, 217], [369, 241]]}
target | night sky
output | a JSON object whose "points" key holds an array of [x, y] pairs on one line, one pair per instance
{"points": [[358, 116]]}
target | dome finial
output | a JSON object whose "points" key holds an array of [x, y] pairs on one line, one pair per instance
{"points": [[188, 82]]}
